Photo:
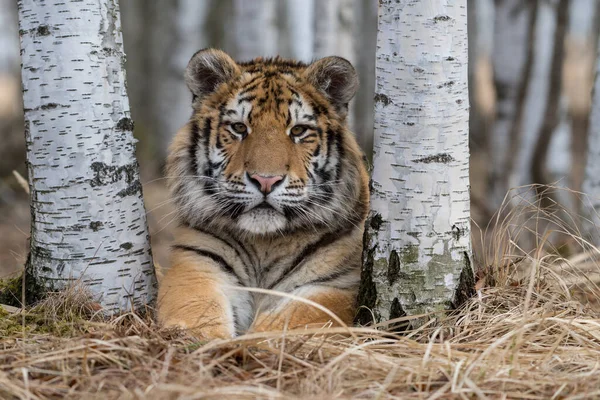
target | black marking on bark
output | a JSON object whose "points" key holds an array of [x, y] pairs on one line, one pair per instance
{"points": [[466, 284], [43, 30], [134, 188], [443, 158], [393, 267], [440, 18], [95, 225], [60, 268], [109, 174], [125, 124], [446, 84], [126, 246], [375, 221], [383, 99], [367, 292], [456, 232], [48, 106], [396, 311]]}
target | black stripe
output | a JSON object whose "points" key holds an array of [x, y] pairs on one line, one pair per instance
{"points": [[344, 268], [340, 155], [246, 259], [206, 136], [194, 141], [310, 250], [209, 254], [246, 99]]}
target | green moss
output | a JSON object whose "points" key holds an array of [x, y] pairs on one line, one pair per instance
{"points": [[11, 290], [409, 254], [64, 314]]}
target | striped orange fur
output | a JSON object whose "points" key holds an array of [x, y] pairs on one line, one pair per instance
{"points": [[271, 191]]}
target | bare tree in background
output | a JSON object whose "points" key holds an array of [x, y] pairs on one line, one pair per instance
{"points": [[180, 31], [334, 21], [88, 217], [365, 40], [578, 78], [296, 33], [551, 113], [591, 182], [254, 28], [513, 40], [417, 242], [11, 151]]}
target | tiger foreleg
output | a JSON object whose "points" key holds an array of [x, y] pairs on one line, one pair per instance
{"points": [[192, 296], [336, 306]]}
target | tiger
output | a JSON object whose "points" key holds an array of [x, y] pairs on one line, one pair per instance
{"points": [[272, 193]]}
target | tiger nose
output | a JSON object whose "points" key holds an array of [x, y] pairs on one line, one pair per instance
{"points": [[265, 183]]}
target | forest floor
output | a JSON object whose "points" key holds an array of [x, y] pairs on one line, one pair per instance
{"points": [[531, 332]]}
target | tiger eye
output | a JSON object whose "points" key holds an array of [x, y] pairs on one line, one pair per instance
{"points": [[298, 130], [240, 128]]}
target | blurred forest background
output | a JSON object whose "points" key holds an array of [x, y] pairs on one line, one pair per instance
{"points": [[531, 70]]}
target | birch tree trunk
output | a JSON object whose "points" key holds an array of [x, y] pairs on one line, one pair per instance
{"points": [[255, 28], [88, 217], [417, 242]]}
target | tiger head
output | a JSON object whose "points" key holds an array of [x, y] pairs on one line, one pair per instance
{"points": [[267, 148]]}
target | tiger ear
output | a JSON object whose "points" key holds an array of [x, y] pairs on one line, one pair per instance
{"points": [[336, 78], [207, 69]]}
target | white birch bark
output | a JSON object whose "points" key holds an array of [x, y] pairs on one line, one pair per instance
{"points": [[255, 28], [418, 238], [88, 217]]}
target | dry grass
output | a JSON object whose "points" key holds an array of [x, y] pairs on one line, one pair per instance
{"points": [[532, 331]]}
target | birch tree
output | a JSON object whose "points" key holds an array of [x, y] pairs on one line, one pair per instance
{"points": [[255, 28], [88, 217], [417, 241]]}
